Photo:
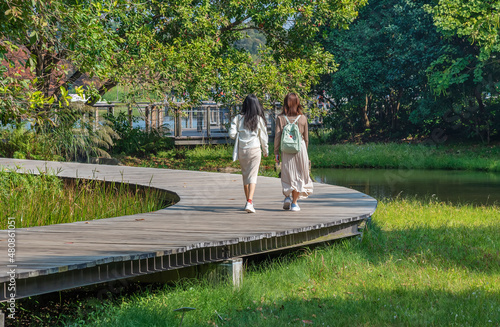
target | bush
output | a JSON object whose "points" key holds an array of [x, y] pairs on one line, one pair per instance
{"points": [[69, 135], [134, 141], [23, 143]]}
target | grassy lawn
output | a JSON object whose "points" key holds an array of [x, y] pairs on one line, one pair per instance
{"points": [[390, 155], [420, 264], [406, 156], [205, 158]]}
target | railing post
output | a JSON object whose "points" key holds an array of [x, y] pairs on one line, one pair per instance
{"points": [[178, 122], [208, 121], [199, 119], [129, 113], [146, 113], [96, 118], [159, 118], [154, 117]]}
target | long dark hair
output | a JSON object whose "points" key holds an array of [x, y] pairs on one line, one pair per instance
{"points": [[291, 105], [252, 110]]}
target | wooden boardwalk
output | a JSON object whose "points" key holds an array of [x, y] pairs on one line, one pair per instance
{"points": [[206, 225]]}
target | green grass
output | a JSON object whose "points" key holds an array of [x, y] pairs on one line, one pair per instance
{"points": [[390, 155], [205, 158], [46, 199], [419, 264], [406, 156]]}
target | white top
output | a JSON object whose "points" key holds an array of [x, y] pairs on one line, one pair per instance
{"points": [[249, 139]]}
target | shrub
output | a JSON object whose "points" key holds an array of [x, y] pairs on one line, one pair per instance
{"points": [[134, 141]]}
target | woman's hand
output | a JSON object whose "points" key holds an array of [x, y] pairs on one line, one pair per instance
{"points": [[277, 159]]}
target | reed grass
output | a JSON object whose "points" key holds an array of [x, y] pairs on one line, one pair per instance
{"points": [[45, 199], [419, 264]]}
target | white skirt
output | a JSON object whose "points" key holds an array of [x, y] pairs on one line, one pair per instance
{"points": [[295, 173], [249, 162]]}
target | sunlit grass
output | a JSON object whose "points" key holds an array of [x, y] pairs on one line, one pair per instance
{"points": [[38, 200], [390, 155], [206, 158], [419, 264], [405, 156]]}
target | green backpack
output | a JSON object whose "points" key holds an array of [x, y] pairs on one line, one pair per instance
{"points": [[291, 137]]}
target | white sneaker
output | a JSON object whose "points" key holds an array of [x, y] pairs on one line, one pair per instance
{"points": [[295, 207], [287, 203], [249, 208]]}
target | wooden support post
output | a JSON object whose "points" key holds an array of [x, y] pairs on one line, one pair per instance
{"points": [[2, 319], [233, 268], [111, 110], [178, 122], [208, 121], [154, 117], [96, 118], [146, 120], [159, 112], [272, 117], [199, 119], [221, 119], [190, 118], [129, 113]]}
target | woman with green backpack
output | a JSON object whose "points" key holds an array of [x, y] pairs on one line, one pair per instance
{"points": [[292, 139]]}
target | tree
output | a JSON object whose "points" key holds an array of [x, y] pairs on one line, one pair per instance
{"points": [[204, 59], [166, 47], [382, 60], [469, 68], [477, 22], [61, 40]]}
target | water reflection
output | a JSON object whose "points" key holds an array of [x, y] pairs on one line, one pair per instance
{"points": [[449, 186]]}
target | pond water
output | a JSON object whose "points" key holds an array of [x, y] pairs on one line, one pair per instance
{"points": [[479, 188]]}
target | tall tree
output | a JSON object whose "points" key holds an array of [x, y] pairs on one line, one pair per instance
{"points": [[469, 68], [180, 47], [382, 60]]}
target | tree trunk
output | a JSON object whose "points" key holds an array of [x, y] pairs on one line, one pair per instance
{"points": [[107, 85], [72, 79], [483, 114], [364, 114], [395, 108]]}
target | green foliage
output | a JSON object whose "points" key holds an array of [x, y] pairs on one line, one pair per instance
{"points": [[382, 60], [22, 143], [134, 141], [58, 38], [398, 75], [478, 23], [251, 42], [170, 48], [70, 135], [206, 158]]}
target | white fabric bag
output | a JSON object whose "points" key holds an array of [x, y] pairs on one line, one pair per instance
{"points": [[235, 150]]}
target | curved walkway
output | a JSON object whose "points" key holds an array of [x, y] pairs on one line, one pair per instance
{"points": [[206, 225]]}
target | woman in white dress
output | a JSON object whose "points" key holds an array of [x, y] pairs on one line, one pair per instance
{"points": [[295, 180], [249, 128]]}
